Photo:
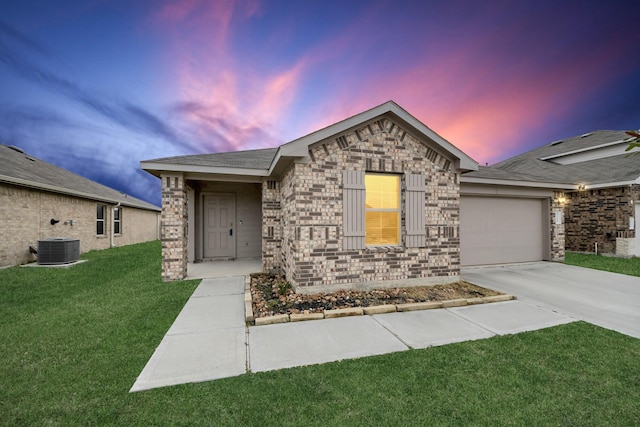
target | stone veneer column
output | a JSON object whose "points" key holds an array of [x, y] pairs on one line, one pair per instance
{"points": [[557, 230], [173, 228], [271, 225]]}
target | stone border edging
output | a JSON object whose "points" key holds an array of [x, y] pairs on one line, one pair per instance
{"points": [[359, 311]]}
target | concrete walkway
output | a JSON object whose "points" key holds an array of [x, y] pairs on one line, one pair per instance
{"points": [[605, 299], [209, 339]]}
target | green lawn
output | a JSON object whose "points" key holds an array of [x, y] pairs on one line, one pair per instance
{"points": [[630, 266], [73, 342]]}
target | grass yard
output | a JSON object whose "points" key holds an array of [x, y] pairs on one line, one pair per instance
{"points": [[629, 266], [73, 342]]}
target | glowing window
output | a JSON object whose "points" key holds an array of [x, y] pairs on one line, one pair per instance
{"points": [[382, 213]]}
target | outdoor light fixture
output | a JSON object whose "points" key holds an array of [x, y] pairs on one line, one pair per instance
{"points": [[54, 221]]}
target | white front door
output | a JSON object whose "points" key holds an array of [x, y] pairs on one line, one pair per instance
{"points": [[219, 226]]}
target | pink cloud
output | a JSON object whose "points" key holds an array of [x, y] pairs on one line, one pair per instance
{"points": [[232, 89]]}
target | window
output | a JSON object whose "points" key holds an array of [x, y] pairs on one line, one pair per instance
{"points": [[100, 231], [117, 220], [382, 209]]}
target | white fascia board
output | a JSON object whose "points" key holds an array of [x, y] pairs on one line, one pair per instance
{"points": [[513, 183], [68, 192], [611, 184], [174, 167]]}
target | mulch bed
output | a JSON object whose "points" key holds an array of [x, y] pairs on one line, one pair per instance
{"points": [[272, 294]]}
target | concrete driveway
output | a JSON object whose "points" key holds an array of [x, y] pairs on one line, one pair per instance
{"points": [[605, 299]]}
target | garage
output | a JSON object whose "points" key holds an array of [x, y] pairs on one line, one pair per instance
{"points": [[500, 230]]}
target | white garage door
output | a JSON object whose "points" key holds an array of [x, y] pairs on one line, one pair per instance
{"points": [[500, 230]]}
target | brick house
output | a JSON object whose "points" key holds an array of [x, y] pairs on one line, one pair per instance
{"points": [[602, 188], [39, 201], [372, 200]]}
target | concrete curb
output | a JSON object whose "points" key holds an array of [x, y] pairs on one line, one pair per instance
{"points": [[248, 301], [305, 316], [343, 312], [359, 311], [413, 306]]}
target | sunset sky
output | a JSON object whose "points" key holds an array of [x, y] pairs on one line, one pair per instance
{"points": [[95, 86]]}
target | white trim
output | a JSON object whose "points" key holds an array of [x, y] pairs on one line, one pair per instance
{"points": [[175, 167], [513, 183], [610, 184]]}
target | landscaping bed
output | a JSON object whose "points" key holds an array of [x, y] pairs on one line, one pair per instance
{"points": [[272, 295]]}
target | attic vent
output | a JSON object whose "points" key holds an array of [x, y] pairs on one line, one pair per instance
{"points": [[342, 142], [584, 135], [18, 149], [58, 251], [560, 141]]}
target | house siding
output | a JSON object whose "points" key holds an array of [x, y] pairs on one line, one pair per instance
{"points": [[26, 218], [599, 216], [313, 253]]}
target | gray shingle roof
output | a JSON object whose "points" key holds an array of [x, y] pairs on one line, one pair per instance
{"points": [[22, 169], [250, 159], [618, 168]]}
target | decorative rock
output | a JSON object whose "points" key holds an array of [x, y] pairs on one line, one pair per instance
{"points": [[379, 309], [428, 305], [343, 312]]}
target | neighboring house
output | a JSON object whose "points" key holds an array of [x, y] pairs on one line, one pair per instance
{"points": [[602, 201], [374, 199], [40, 201]]}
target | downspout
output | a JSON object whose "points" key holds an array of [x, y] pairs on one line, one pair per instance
{"points": [[112, 234]]}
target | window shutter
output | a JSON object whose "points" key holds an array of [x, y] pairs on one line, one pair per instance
{"points": [[416, 232], [353, 199]]}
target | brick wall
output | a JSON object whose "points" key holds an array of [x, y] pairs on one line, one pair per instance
{"points": [[25, 218], [310, 195], [271, 225], [557, 234], [597, 216], [173, 227]]}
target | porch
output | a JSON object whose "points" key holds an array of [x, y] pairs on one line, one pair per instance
{"points": [[230, 268]]}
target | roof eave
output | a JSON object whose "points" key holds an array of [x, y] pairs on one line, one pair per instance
{"points": [[609, 184], [517, 183], [69, 192], [156, 169]]}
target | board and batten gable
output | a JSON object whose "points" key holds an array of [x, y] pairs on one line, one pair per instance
{"points": [[318, 206]]}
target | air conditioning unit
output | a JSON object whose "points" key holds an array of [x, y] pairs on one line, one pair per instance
{"points": [[59, 250]]}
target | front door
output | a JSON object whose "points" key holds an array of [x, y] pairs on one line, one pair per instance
{"points": [[219, 226]]}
